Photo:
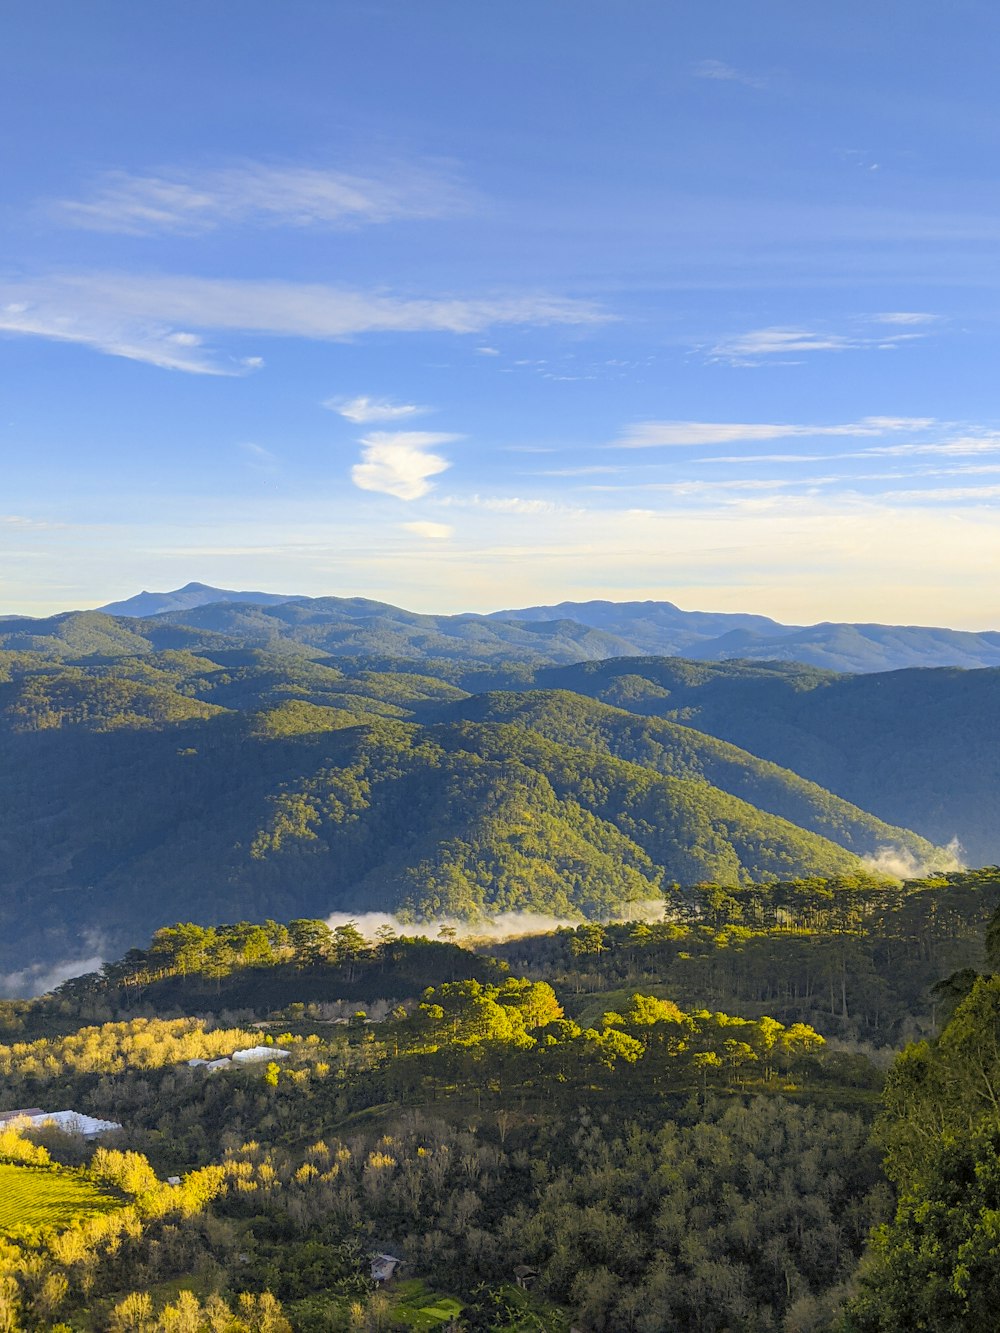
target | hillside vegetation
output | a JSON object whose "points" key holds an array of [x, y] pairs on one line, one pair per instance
{"points": [[243, 782], [626, 1128]]}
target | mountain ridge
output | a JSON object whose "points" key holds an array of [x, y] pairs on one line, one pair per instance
{"points": [[561, 633]]}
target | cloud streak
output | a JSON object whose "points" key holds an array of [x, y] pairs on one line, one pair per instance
{"points": [[720, 72], [259, 194], [161, 320], [364, 410], [653, 434], [777, 341]]}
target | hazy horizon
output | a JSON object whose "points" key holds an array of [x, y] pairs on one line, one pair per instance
{"points": [[95, 604]]}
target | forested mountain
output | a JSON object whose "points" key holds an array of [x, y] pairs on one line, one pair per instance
{"points": [[663, 629], [200, 617], [113, 831], [917, 748], [164, 783], [184, 599], [140, 781], [346, 627], [682, 752]]}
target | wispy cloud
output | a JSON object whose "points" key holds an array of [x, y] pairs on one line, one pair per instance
{"points": [[968, 445], [397, 462], [259, 458], [988, 443], [905, 317], [364, 410], [161, 320], [749, 348], [260, 194], [944, 494], [435, 532], [21, 523], [768, 342], [507, 504], [652, 434], [721, 72]]}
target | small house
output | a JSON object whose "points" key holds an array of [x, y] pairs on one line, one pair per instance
{"points": [[384, 1267]]}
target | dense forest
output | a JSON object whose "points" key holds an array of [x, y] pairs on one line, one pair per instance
{"points": [[692, 1124], [146, 785]]}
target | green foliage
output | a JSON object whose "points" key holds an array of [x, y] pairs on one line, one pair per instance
{"points": [[937, 1265]]}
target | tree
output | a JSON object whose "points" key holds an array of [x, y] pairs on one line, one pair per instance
{"points": [[311, 940], [937, 1264]]}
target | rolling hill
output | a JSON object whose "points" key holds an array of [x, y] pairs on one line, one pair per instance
{"points": [[917, 748], [171, 785]]}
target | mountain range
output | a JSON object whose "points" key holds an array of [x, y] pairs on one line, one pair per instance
{"points": [[233, 759], [203, 617]]}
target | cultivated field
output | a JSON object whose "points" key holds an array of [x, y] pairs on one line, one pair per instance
{"points": [[30, 1197]]}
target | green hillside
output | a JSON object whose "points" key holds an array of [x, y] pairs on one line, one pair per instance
{"points": [[681, 752], [917, 747], [242, 782], [114, 831]]}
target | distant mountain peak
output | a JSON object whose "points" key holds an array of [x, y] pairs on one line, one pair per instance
{"points": [[145, 603]]}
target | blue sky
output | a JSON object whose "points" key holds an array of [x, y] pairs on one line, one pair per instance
{"points": [[465, 306]]}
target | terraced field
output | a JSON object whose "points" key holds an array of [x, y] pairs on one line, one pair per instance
{"points": [[32, 1197]]}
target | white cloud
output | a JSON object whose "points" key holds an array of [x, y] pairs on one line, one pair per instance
{"points": [[23, 524], [650, 434], [768, 342], [506, 504], [193, 202], [363, 410], [944, 494], [721, 72], [744, 348], [488, 351], [140, 316], [966, 444], [395, 462], [905, 317], [435, 532]]}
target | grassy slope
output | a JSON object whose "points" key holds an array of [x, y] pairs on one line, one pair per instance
{"points": [[37, 1196]]}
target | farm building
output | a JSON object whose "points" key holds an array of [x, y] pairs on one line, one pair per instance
{"points": [[256, 1054], [24, 1114], [252, 1055], [71, 1122]]}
